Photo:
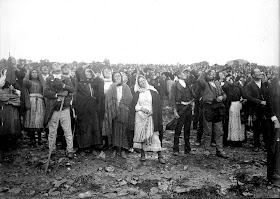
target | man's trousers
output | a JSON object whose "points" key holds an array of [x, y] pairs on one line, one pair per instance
{"points": [[65, 121]]}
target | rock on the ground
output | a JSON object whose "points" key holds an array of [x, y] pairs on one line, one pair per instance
{"points": [[59, 183], [72, 189], [110, 169], [122, 183], [55, 193], [32, 192], [181, 190], [163, 185], [15, 190], [132, 191], [153, 190], [142, 194], [247, 194], [122, 193], [134, 182], [86, 194], [156, 196]]}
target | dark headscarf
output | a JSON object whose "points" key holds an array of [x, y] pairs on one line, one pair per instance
{"points": [[115, 80], [11, 76]]}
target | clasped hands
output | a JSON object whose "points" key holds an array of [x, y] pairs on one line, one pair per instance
{"points": [[144, 110]]}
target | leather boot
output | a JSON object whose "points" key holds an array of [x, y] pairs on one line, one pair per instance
{"points": [[143, 156], [160, 158], [123, 154], [187, 146]]}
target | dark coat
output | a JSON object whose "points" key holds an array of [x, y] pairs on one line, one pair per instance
{"points": [[157, 113], [208, 92], [50, 96], [274, 100], [255, 96], [234, 93], [179, 94], [87, 105]]}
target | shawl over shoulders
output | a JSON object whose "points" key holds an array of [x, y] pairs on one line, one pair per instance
{"points": [[157, 112], [112, 110]]}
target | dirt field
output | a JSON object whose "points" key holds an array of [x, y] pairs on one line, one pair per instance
{"points": [[243, 175]]}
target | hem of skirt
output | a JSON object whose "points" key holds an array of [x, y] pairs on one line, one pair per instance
{"points": [[141, 146]]}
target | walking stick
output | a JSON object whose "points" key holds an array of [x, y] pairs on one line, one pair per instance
{"points": [[75, 117], [50, 150]]}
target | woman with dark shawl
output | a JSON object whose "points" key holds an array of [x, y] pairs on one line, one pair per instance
{"points": [[117, 102], [34, 116], [87, 105], [146, 119], [10, 127]]}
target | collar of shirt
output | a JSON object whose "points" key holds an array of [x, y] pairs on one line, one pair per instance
{"points": [[241, 83], [212, 84], [259, 83], [182, 82]]}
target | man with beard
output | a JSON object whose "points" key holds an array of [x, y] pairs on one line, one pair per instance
{"points": [[257, 95], [182, 96], [66, 73], [213, 111], [57, 91]]}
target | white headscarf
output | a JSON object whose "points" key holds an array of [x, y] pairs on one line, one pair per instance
{"points": [[140, 89]]}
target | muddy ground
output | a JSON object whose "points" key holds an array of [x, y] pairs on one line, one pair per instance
{"points": [[243, 175]]}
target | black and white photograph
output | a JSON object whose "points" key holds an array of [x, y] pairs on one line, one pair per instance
{"points": [[131, 99]]}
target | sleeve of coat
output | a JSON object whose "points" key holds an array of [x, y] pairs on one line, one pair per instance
{"points": [[173, 95], [48, 93], [271, 101], [201, 80], [159, 116], [69, 86]]}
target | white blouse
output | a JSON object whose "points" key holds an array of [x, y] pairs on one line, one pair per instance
{"points": [[145, 101], [119, 94]]}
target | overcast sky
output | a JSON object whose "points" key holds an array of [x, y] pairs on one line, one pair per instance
{"points": [[141, 31]]}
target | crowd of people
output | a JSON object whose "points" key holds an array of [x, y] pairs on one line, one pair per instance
{"points": [[120, 107]]}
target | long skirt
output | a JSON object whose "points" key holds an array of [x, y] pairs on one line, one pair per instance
{"points": [[88, 132], [9, 126], [119, 134], [144, 137], [34, 117], [236, 130]]}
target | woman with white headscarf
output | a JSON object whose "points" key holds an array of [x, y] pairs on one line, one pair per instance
{"points": [[146, 119]]}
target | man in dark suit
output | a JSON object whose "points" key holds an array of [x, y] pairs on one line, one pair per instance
{"points": [[273, 153], [213, 111], [256, 92], [57, 93], [182, 96]]}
